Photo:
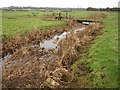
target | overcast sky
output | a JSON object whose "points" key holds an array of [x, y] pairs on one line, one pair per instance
{"points": [[60, 3]]}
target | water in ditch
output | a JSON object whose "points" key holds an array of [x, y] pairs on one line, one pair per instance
{"points": [[53, 43]]}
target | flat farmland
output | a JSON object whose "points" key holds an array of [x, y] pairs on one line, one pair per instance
{"points": [[20, 22], [80, 51]]}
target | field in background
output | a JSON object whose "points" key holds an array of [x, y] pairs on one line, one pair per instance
{"points": [[20, 22]]}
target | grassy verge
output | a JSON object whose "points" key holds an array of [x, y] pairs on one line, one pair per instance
{"points": [[103, 56]]}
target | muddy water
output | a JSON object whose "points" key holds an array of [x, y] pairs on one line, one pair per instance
{"points": [[53, 43], [48, 44]]}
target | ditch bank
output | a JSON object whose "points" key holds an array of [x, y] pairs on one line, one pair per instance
{"points": [[42, 59]]}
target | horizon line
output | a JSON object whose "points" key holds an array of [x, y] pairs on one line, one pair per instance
{"points": [[55, 7]]}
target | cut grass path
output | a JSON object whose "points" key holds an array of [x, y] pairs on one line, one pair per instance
{"points": [[104, 54]]}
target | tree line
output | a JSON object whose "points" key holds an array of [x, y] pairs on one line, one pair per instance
{"points": [[103, 9]]}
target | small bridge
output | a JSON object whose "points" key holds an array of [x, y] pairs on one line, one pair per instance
{"points": [[86, 21]]}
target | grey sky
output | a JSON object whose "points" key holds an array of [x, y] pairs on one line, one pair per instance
{"points": [[60, 3]]}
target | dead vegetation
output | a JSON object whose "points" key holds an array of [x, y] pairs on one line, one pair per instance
{"points": [[97, 16], [25, 69], [12, 44]]}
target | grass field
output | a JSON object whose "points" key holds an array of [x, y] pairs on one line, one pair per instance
{"points": [[18, 22], [103, 56]]}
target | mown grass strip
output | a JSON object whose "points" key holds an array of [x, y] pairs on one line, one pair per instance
{"points": [[104, 54]]}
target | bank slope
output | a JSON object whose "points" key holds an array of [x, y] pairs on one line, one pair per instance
{"points": [[104, 54]]}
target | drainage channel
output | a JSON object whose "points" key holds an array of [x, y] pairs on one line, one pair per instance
{"points": [[52, 44], [42, 65]]}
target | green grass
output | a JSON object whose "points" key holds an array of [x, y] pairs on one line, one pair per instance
{"points": [[21, 14], [104, 53], [80, 14], [20, 26], [17, 22], [102, 56]]}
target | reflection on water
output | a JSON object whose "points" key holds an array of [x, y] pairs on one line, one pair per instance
{"points": [[80, 29], [48, 44], [53, 43], [86, 23]]}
